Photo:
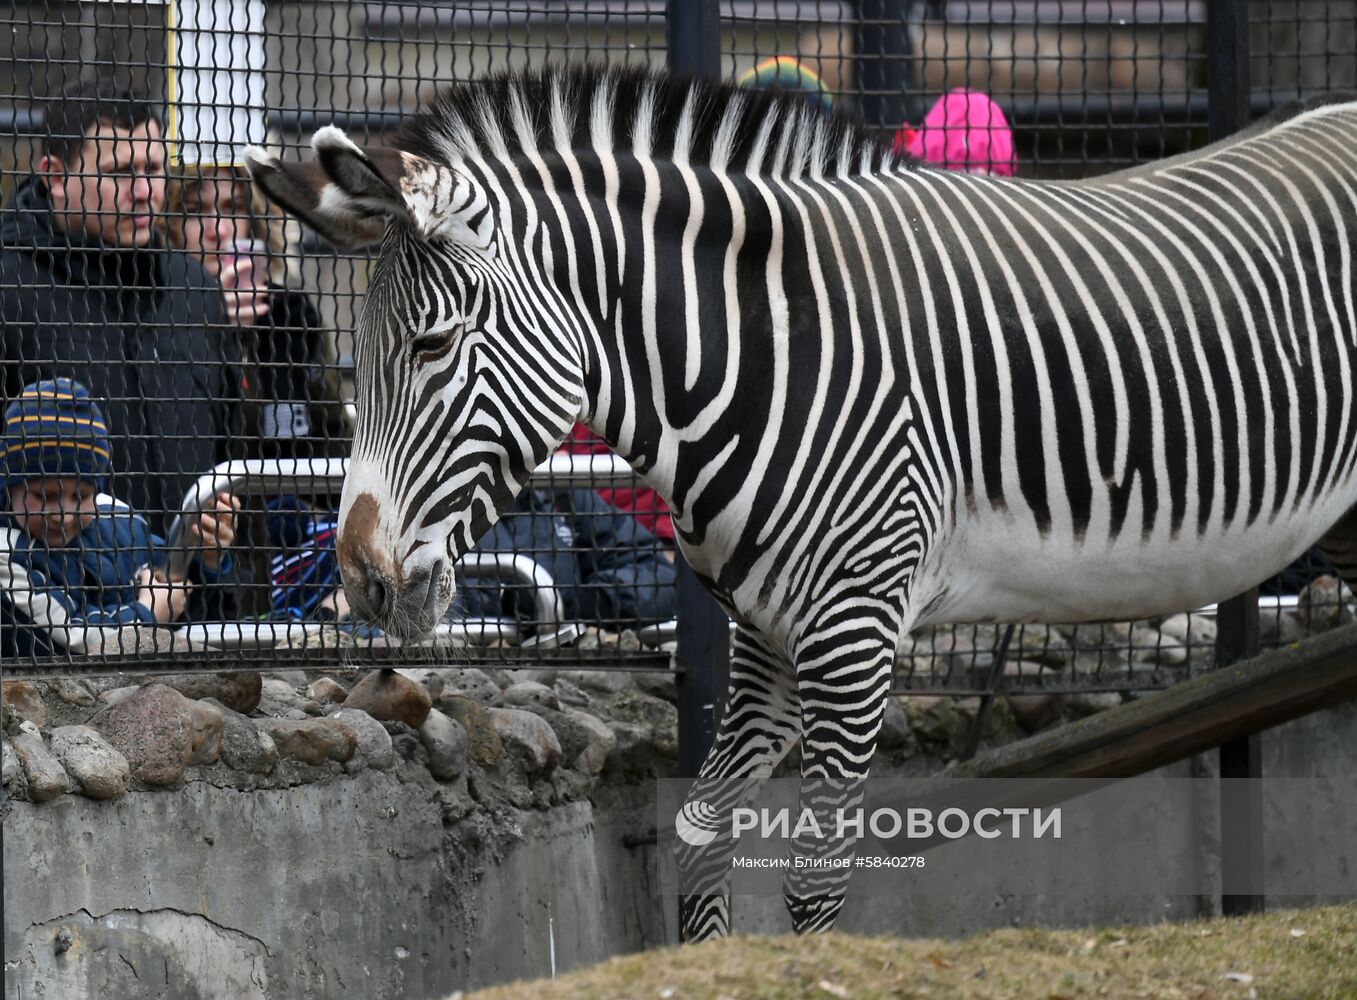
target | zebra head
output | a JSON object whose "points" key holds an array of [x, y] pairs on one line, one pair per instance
{"points": [[465, 377]]}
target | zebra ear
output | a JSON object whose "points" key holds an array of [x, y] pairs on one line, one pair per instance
{"points": [[306, 191], [350, 194]]}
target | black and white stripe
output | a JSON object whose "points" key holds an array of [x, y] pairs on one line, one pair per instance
{"points": [[877, 396]]}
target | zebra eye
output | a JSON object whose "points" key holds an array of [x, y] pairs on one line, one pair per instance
{"points": [[428, 343]]}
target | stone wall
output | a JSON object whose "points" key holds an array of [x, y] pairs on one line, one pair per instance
{"points": [[434, 859]]}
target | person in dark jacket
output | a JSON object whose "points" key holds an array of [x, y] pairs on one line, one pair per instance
{"points": [[89, 291], [77, 565], [291, 400], [608, 569]]}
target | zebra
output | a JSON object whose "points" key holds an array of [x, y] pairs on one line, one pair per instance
{"points": [[877, 396]]}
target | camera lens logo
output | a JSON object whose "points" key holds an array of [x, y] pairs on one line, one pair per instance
{"points": [[696, 824]]}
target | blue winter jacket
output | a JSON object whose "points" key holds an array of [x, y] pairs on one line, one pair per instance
{"points": [[47, 596]]}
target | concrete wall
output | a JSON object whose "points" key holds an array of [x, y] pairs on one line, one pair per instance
{"points": [[358, 888], [350, 888]]}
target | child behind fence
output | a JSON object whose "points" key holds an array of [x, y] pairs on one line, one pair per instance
{"points": [[76, 564]]}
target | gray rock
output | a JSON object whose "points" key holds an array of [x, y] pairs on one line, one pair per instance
{"points": [[659, 684], [1202, 630], [312, 741], [603, 681], [1324, 603], [279, 698], [631, 754], [23, 700], [431, 677], [959, 653], [326, 691], [208, 726], [600, 743], [527, 738], [936, 721], [12, 770], [472, 683], [1163, 646], [1039, 708], [569, 693], [46, 777], [391, 697], [446, 741], [1176, 626], [156, 729], [239, 691], [74, 691], [374, 742], [295, 679], [572, 734], [1040, 645], [100, 771], [659, 718], [113, 696], [484, 747], [508, 678], [1092, 702], [501, 676], [244, 747], [1036, 711], [531, 693], [895, 732]]}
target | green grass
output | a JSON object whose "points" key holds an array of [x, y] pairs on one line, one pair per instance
{"points": [[1295, 953]]}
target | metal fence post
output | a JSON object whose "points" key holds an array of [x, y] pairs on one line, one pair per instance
{"points": [[884, 64], [1241, 801], [703, 654], [693, 35]]}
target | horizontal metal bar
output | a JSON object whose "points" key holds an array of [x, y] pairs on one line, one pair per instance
{"points": [[325, 476], [300, 635], [521, 571], [329, 657], [517, 570]]}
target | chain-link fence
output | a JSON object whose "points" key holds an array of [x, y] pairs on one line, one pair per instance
{"points": [[208, 330]]}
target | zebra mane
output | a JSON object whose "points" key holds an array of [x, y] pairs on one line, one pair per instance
{"points": [[659, 115]]}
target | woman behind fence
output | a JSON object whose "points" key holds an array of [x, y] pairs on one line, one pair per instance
{"points": [[291, 401]]}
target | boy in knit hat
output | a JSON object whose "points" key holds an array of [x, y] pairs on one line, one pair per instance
{"points": [[75, 563]]}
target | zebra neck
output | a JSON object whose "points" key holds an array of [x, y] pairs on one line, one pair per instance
{"points": [[670, 339]]}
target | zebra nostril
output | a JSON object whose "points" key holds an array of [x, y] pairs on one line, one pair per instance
{"points": [[375, 591]]}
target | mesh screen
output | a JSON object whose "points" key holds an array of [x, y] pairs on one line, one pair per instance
{"points": [[233, 340]]}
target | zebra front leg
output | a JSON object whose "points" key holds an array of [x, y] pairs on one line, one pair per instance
{"points": [[843, 679], [760, 722]]}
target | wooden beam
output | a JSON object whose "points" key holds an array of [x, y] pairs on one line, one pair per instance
{"points": [[1186, 719], [1193, 717]]}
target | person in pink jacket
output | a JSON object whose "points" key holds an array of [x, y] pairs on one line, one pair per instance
{"points": [[965, 130]]}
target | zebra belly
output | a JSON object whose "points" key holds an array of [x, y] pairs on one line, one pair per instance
{"points": [[1002, 574]]}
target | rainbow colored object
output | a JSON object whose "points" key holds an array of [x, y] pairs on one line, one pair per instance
{"points": [[786, 73]]}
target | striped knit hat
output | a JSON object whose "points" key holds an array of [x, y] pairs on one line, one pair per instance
{"points": [[54, 428]]}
